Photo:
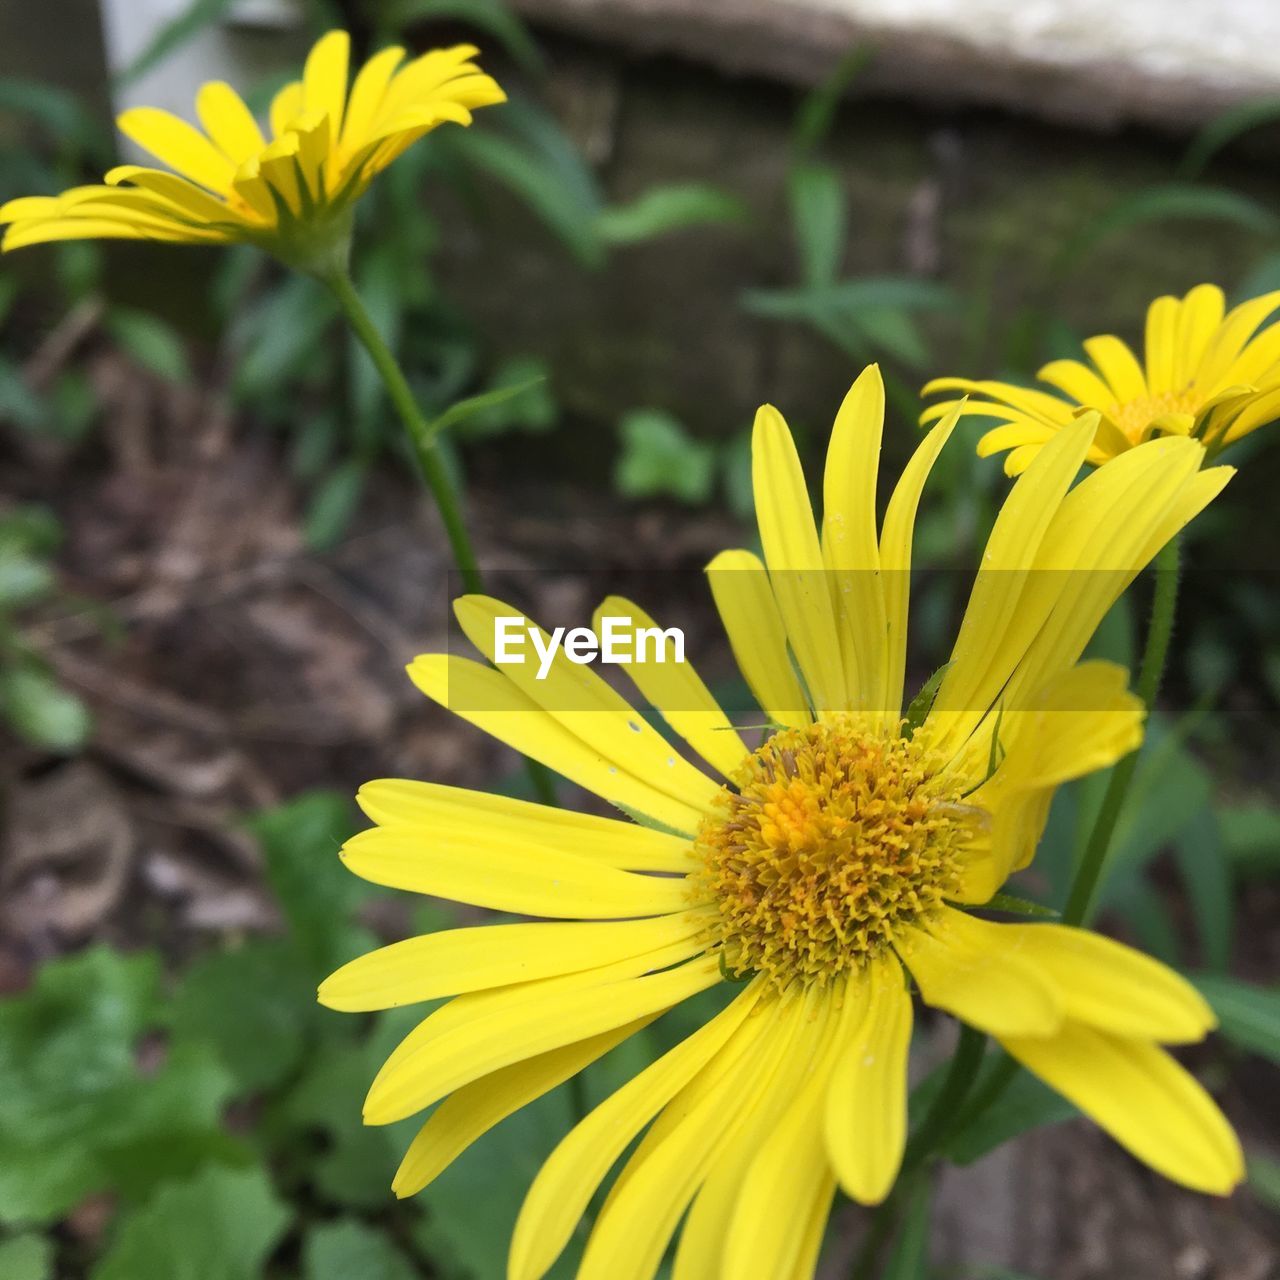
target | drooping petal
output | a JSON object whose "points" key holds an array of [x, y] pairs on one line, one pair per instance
{"points": [[746, 604], [474, 1109], [676, 689], [1143, 1099], [961, 965], [865, 1120], [569, 1178], [474, 1049], [1107, 985]]}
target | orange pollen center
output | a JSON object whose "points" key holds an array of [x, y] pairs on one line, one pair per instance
{"points": [[830, 839], [1134, 417]]}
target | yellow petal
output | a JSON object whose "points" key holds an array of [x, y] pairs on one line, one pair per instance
{"points": [[179, 145], [471, 1112], [474, 958], [467, 1052], [187, 199], [961, 964], [1078, 381], [1051, 410], [1226, 345], [367, 94], [664, 1173], [1143, 1099], [324, 80], [865, 1120], [677, 691], [228, 122], [787, 1177], [535, 881], [1118, 365], [849, 546], [1198, 320], [577, 698], [995, 630], [1161, 343], [488, 700], [1014, 435], [794, 557], [570, 1176], [895, 554], [746, 604], [439, 810], [1110, 986], [286, 106]]}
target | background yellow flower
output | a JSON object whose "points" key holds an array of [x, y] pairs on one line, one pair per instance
{"points": [[291, 193], [1206, 374]]}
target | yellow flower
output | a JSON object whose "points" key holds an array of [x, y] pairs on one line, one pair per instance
{"points": [[291, 194], [1208, 375], [803, 880]]}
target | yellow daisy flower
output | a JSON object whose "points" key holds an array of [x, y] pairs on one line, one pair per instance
{"points": [[291, 194], [1207, 374], [810, 880]]}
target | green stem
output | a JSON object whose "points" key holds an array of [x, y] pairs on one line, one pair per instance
{"points": [[426, 455], [1155, 653]]}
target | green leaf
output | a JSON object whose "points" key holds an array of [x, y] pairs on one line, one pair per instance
{"points": [[349, 1250], [334, 503], [23, 579], [1024, 1105], [1251, 837], [41, 710], [481, 407], [543, 168], [67, 1077], [920, 705], [58, 111], [1170, 202], [819, 215], [188, 24], [1249, 1016], [909, 1259], [26, 1258], [490, 16], [151, 342], [1206, 873], [219, 1225], [666, 209], [659, 457], [317, 894], [818, 110], [1225, 129], [254, 1006], [31, 528], [847, 299], [1264, 1179]]}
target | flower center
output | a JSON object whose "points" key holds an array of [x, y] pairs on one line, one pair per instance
{"points": [[834, 838], [1135, 416]]}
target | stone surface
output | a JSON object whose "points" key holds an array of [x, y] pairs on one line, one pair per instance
{"points": [[1170, 63]]}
